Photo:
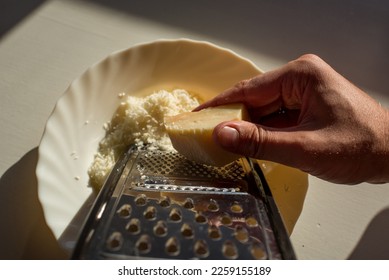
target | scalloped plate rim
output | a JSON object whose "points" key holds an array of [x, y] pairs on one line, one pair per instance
{"points": [[56, 224]]}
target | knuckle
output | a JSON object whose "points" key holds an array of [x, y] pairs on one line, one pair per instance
{"points": [[254, 142], [306, 70], [242, 87], [309, 58], [307, 63]]}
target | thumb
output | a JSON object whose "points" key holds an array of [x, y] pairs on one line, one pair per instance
{"points": [[256, 141]]}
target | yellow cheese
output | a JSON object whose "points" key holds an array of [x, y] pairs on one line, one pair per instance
{"points": [[191, 133]]}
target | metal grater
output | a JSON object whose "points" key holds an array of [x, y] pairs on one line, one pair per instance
{"points": [[159, 205]]}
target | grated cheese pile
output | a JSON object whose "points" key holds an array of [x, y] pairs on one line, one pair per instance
{"points": [[138, 121]]}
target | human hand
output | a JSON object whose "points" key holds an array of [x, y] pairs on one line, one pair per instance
{"points": [[308, 116]]}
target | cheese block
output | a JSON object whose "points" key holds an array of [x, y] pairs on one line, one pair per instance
{"points": [[191, 133]]}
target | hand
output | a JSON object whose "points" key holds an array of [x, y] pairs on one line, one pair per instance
{"points": [[308, 116]]}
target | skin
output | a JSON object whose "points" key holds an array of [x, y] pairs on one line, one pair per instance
{"points": [[306, 115]]}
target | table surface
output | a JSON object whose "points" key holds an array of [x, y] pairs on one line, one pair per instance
{"points": [[51, 47]]}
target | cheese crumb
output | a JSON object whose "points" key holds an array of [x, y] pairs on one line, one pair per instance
{"points": [[138, 121]]}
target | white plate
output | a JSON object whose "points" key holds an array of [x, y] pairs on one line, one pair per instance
{"points": [[75, 126]]}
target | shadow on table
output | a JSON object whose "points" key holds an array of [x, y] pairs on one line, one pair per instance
{"points": [[374, 244], [352, 37], [12, 12], [24, 233]]}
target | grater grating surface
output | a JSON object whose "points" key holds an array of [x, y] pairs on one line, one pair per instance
{"points": [[157, 204]]}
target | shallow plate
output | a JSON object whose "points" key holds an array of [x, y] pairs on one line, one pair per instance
{"points": [[75, 127]]}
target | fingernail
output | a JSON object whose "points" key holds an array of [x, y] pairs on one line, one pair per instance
{"points": [[228, 137]]}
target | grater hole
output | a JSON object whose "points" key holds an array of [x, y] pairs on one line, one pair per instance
{"points": [[143, 244], [214, 232], [257, 252], [175, 215], [124, 211], [133, 226], [175, 164], [172, 246], [164, 202], [200, 218], [229, 250], [150, 213], [201, 249], [160, 229], [236, 207], [213, 206], [241, 234], [187, 231], [226, 219], [188, 203], [251, 222], [140, 200], [115, 241]]}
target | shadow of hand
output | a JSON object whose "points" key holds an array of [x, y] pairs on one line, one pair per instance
{"points": [[24, 233], [373, 244]]}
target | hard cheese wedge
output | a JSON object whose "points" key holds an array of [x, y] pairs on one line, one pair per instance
{"points": [[191, 133]]}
